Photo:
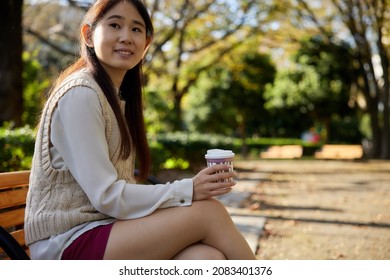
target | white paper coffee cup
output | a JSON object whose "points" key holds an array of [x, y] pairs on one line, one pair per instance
{"points": [[219, 156]]}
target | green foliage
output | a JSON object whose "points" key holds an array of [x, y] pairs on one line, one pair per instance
{"points": [[180, 147], [345, 130], [298, 88], [365, 127], [177, 150], [190, 38], [176, 163], [229, 98], [318, 90], [186, 150], [157, 111], [16, 148], [34, 87]]}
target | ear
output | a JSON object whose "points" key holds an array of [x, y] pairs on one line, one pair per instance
{"points": [[148, 42], [86, 33]]}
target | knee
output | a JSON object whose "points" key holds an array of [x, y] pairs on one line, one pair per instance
{"points": [[210, 208]]}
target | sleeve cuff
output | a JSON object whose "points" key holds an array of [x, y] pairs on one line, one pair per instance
{"points": [[183, 191]]}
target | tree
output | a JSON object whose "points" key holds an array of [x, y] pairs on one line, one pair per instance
{"points": [[192, 36], [320, 86], [365, 21], [51, 32], [364, 24], [11, 66], [229, 98]]}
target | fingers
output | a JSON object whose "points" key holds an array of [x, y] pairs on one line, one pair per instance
{"points": [[220, 191], [213, 181], [205, 191], [219, 172], [222, 176], [217, 168]]}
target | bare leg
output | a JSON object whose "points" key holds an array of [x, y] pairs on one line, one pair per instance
{"points": [[199, 251], [166, 232]]}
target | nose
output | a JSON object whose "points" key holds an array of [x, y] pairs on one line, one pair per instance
{"points": [[125, 36]]}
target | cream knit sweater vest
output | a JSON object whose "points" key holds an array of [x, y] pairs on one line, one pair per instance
{"points": [[55, 201]]}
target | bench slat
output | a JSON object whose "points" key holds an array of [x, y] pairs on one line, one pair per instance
{"points": [[19, 236], [13, 197], [13, 191], [12, 218], [14, 179]]}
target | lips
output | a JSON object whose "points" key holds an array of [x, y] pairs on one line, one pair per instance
{"points": [[124, 52]]}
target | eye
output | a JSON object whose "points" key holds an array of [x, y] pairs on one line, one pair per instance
{"points": [[137, 29], [115, 25]]}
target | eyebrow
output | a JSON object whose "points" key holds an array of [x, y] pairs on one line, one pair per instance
{"points": [[121, 17]]}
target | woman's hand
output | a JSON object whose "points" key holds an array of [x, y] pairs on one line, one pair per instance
{"points": [[212, 181]]}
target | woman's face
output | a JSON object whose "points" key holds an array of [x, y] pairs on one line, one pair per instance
{"points": [[119, 40]]}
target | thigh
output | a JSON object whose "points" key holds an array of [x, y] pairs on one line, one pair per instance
{"points": [[161, 235]]}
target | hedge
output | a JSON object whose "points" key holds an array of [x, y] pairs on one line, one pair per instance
{"points": [[169, 150]]}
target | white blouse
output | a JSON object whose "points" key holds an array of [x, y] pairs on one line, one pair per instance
{"points": [[79, 144]]}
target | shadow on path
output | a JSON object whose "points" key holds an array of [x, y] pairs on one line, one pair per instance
{"points": [[268, 206], [310, 220]]}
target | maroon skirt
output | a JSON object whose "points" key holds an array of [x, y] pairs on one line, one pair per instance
{"points": [[91, 245]]}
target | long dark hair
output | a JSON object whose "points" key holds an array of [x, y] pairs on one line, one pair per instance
{"points": [[132, 125]]}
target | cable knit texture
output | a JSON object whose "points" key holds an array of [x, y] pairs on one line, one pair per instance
{"points": [[55, 201]]}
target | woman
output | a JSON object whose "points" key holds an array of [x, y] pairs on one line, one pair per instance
{"points": [[84, 202]]}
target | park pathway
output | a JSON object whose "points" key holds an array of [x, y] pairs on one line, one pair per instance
{"points": [[313, 209]]}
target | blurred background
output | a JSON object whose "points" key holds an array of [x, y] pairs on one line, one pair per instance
{"points": [[243, 75]]}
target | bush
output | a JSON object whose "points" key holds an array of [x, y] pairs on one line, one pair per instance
{"points": [[182, 149], [16, 148], [178, 150]]}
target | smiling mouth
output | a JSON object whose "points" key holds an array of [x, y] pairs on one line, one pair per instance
{"points": [[124, 52]]}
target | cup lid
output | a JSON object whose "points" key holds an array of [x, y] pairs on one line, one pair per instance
{"points": [[218, 153]]}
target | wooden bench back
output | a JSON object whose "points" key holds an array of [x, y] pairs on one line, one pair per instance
{"points": [[13, 192], [334, 151], [284, 151]]}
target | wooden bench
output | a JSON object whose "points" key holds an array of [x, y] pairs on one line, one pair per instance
{"points": [[333, 151], [285, 152], [13, 191]]}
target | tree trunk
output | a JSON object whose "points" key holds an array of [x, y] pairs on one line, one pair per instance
{"points": [[177, 121], [385, 151], [11, 66], [376, 133], [371, 92]]}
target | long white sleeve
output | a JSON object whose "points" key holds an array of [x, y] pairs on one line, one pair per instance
{"points": [[79, 144]]}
